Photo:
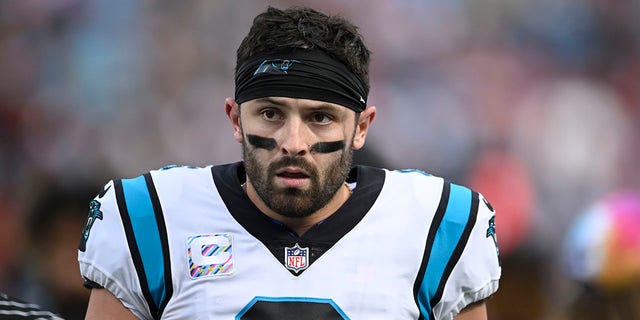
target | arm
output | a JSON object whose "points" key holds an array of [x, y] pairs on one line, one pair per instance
{"points": [[104, 305], [476, 311]]}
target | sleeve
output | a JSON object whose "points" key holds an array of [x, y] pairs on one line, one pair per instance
{"points": [[104, 256], [476, 275]]}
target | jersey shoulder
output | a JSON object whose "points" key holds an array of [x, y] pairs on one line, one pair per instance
{"points": [[461, 264], [123, 212], [103, 254]]}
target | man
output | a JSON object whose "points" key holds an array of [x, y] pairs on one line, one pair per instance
{"points": [[292, 232]]}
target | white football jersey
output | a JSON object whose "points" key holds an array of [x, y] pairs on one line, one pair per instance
{"points": [[187, 243]]}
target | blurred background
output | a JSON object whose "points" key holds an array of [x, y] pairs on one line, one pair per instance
{"points": [[533, 103]]}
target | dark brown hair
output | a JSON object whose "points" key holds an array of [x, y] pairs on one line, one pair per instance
{"points": [[302, 27]]}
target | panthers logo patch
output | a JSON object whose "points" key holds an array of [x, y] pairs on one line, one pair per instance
{"points": [[94, 213]]}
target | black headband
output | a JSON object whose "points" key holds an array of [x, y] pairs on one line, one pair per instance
{"points": [[305, 74]]}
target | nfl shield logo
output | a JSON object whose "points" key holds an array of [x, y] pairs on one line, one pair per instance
{"points": [[296, 258]]}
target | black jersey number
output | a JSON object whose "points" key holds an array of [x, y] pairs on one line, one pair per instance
{"points": [[291, 308]]}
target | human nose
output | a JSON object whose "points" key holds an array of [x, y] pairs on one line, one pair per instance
{"points": [[295, 137]]}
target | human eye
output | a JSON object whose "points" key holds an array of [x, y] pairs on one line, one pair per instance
{"points": [[270, 114], [321, 118]]}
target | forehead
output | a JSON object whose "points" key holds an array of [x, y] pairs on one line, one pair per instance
{"points": [[298, 104]]}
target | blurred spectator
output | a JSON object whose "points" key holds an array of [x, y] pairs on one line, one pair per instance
{"points": [[503, 178], [55, 222], [602, 256]]}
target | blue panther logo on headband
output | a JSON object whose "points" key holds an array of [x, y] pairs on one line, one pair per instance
{"points": [[275, 66]]}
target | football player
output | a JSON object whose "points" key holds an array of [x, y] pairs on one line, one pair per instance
{"points": [[293, 231]]}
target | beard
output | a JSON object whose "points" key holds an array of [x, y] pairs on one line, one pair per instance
{"points": [[294, 202]]}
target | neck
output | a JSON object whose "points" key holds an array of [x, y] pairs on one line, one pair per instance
{"points": [[302, 224]]}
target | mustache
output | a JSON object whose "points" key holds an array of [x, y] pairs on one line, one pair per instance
{"points": [[293, 162]]}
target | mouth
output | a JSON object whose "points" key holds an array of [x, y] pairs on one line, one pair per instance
{"points": [[292, 173], [292, 177]]}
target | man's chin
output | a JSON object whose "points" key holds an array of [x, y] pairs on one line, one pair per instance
{"points": [[293, 194], [292, 204]]}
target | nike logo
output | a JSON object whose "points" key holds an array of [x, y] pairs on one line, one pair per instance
{"points": [[104, 191]]}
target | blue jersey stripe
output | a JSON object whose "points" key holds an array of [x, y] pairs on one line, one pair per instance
{"points": [[447, 237], [145, 229]]}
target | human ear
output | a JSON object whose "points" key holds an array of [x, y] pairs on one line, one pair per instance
{"points": [[233, 112], [362, 127]]}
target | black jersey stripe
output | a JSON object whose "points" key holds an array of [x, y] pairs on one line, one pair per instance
{"points": [[164, 241], [435, 224]]}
